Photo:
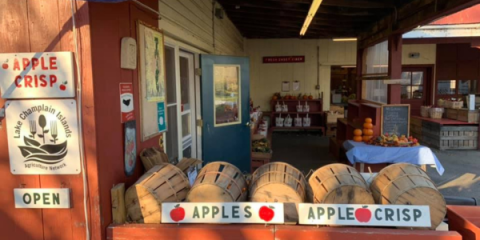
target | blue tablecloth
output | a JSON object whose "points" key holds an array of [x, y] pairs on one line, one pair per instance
{"points": [[359, 152]]}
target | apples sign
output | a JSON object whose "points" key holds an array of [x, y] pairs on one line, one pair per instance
{"points": [[177, 214], [229, 212], [266, 213]]}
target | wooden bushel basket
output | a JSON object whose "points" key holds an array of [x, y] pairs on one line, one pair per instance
{"points": [[408, 184], [339, 184], [277, 182], [151, 157], [162, 183], [219, 182]]}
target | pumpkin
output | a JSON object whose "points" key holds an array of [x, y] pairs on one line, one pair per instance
{"points": [[367, 138], [368, 125], [367, 132], [357, 138], [274, 98], [357, 132], [368, 120]]}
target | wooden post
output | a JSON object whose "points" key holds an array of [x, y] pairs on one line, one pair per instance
{"points": [[394, 67], [118, 204], [359, 71]]}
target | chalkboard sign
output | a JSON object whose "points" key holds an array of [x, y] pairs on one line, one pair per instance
{"points": [[396, 119]]}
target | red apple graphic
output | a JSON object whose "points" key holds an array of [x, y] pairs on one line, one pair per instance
{"points": [[178, 213], [363, 214], [5, 64], [266, 213], [63, 87]]}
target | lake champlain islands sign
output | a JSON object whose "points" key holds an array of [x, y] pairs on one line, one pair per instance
{"points": [[43, 137]]}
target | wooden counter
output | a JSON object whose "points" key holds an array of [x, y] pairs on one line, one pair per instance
{"points": [[266, 232]]}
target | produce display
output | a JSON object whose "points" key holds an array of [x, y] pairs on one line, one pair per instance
{"points": [[278, 96], [357, 135], [367, 130], [261, 146], [394, 141]]}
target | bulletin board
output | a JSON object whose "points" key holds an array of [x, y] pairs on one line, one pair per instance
{"points": [[152, 81]]}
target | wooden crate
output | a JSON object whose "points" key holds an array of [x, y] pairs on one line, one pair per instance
{"points": [[470, 116], [449, 137], [331, 130], [451, 113], [416, 128]]}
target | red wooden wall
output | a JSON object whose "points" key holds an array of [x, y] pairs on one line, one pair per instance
{"points": [[109, 23], [45, 25]]}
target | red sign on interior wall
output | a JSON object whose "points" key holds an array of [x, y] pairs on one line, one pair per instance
{"points": [[126, 102], [284, 59]]}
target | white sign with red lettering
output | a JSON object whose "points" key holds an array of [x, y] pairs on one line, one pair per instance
{"points": [[229, 212], [364, 215], [37, 75]]}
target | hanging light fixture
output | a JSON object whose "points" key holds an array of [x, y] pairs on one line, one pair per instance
{"points": [[311, 13]]}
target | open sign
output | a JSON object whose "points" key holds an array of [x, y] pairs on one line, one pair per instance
{"points": [[37, 75]]}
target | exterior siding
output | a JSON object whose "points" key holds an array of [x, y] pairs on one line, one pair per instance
{"points": [[192, 22]]}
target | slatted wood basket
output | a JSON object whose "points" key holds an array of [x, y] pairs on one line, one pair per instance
{"points": [[408, 184], [339, 184], [162, 183], [151, 157], [277, 182], [219, 182]]}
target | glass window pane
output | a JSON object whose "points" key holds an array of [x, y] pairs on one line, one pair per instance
{"points": [[417, 92], [405, 92], [170, 74], [185, 83], [172, 134], [446, 87], [227, 94], [417, 78], [467, 86], [187, 152], [186, 124], [375, 91], [407, 75]]}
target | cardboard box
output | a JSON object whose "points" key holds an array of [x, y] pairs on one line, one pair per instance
{"points": [[333, 116]]}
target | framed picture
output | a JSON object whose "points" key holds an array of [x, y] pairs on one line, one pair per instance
{"points": [[130, 157], [151, 78]]}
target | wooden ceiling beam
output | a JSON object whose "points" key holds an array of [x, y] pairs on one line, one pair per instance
{"points": [[359, 3], [426, 11], [265, 5]]}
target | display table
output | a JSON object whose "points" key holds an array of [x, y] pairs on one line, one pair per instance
{"points": [[359, 152]]}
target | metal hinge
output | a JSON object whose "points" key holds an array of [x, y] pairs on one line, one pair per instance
{"points": [[199, 122], [198, 72]]}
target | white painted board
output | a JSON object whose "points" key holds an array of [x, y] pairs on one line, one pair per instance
{"points": [[37, 75]]}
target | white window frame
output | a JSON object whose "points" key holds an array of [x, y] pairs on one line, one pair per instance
{"points": [[179, 48]]}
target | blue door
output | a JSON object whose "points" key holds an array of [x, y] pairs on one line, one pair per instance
{"points": [[226, 110]]}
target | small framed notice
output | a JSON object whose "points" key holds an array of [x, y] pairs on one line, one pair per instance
{"points": [[286, 86]]}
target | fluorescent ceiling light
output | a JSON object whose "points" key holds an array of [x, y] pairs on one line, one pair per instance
{"points": [[344, 39], [311, 13]]}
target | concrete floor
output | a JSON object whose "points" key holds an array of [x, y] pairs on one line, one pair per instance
{"points": [[309, 151]]}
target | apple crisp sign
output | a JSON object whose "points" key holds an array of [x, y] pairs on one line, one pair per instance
{"points": [[37, 75], [43, 136], [234, 212], [364, 215]]}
